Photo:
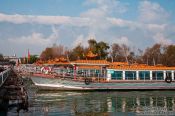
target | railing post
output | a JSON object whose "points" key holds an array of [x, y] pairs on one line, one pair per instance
{"points": [[123, 75], [2, 77], [108, 75], [144, 76], [137, 75], [151, 75], [172, 74], [164, 74]]}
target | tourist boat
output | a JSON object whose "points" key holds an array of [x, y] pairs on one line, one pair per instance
{"points": [[104, 75]]}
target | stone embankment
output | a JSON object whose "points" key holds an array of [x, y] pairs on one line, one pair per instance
{"points": [[13, 93]]}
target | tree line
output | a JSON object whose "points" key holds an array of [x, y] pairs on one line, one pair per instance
{"points": [[156, 55]]}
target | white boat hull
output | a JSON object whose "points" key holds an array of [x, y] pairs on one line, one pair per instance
{"points": [[68, 84]]}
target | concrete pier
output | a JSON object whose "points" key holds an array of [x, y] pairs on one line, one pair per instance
{"points": [[13, 94]]}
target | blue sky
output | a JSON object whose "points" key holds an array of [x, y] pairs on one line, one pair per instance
{"points": [[37, 24]]}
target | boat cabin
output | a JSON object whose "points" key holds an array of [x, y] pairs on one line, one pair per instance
{"points": [[91, 68], [112, 71], [124, 71]]}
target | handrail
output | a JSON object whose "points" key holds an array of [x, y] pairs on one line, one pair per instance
{"points": [[4, 75]]}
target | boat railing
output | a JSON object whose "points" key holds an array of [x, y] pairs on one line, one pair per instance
{"points": [[73, 73], [4, 75]]}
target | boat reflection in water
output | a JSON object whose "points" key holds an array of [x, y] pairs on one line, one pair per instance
{"points": [[103, 103]]}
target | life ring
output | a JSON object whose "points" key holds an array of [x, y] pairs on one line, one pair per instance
{"points": [[46, 70], [87, 81], [168, 79]]}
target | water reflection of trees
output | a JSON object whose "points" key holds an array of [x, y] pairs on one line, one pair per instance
{"points": [[105, 103]]}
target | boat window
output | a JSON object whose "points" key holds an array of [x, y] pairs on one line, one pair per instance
{"points": [[117, 75], [130, 75], [168, 73], [92, 73], [144, 75], [158, 75]]}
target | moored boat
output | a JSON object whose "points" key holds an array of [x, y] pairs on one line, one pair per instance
{"points": [[103, 75], [64, 84]]}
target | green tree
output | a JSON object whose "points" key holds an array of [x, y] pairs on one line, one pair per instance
{"points": [[153, 55], [122, 53], [125, 50], [168, 58], [1, 57], [116, 53], [93, 45], [47, 54], [99, 48], [77, 53], [102, 48], [139, 56], [58, 50], [53, 52], [33, 59]]}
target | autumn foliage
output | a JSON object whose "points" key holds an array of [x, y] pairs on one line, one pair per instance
{"points": [[157, 54]]}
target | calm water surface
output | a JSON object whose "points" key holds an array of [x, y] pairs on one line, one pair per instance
{"points": [[60, 103]]}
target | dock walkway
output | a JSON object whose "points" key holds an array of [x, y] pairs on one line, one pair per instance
{"points": [[12, 91]]}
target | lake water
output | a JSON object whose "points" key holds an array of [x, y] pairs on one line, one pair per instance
{"points": [[128, 103]]}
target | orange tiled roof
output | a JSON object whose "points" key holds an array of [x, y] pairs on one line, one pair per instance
{"points": [[38, 62], [140, 67], [95, 64], [59, 61], [89, 67], [89, 62], [119, 63]]}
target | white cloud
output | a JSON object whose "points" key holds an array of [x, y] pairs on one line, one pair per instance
{"points": [[83, 40], [155, 21], [125, 23], [102, 21], [79, 40], [119, 22], [36, 39], [99, 14], [46, 20], [156, 27], [94, 13], [123, 40], [159, 38], [152, 27], [152, 12], [104, 8]]}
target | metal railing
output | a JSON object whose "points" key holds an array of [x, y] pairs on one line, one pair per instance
{"points": [[4, 75]]}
